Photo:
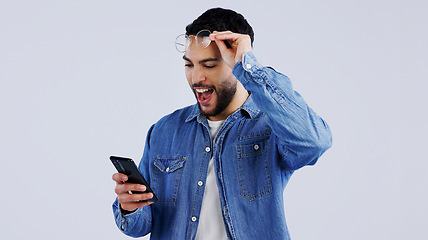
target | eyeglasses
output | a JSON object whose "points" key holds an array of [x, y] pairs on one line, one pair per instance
{"points": [[183, 41]]}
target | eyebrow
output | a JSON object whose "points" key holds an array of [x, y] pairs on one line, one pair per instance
{"points": [[203, 60]]}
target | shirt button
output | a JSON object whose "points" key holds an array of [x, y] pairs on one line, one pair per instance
{"points": [[200, 183], [248, 66], [256, 147], [167, 169], [207, 149], [193, 219]]}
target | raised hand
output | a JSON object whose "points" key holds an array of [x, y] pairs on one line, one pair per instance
{"points": [[241, 43]]}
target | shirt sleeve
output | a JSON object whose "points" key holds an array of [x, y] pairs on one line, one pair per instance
{"points": [[139, 222], [301, 134], [135, 224]]}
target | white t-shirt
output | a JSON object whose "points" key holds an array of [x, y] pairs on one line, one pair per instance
{"points": [[211, 224]]}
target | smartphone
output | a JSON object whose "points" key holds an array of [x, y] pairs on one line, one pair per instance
{"points": [[127, 166]]}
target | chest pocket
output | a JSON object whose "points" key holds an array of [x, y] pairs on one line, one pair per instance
{"points": [[166, 178], [253, 168]]}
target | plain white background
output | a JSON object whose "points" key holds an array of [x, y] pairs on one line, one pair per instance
{"points": [[83, 80]]}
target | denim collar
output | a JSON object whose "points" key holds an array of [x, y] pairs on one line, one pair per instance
{"points": [[249, 109]]}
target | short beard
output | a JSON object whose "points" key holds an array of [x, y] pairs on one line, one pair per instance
{"points": [[225, 93]]}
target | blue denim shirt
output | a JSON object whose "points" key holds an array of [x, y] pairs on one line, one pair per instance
{"points": [[255, 153]]}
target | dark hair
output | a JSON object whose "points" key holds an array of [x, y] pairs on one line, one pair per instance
{"points": [[219, 19]]}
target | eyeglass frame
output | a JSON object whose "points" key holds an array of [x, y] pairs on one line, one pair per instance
{"points": [[189, 37]]}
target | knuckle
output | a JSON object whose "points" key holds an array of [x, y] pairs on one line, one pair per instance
{"points": [[117, 190], [120, 199], [135, 197]]}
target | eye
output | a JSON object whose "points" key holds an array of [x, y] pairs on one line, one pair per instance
{"points": [[188, 65], [210, 66]]}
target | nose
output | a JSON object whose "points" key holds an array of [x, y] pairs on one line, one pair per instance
{"points": [[198, 75]]}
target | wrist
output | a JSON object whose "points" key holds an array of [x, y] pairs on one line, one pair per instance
{"points": [[126, 212]]}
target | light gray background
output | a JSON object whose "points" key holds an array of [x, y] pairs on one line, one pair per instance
{"points": [[82, 80]]}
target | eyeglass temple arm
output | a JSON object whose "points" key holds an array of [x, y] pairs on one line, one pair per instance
{"points": [[227, 44]]}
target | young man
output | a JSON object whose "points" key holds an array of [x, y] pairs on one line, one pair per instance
{"points": [[219, 167]]}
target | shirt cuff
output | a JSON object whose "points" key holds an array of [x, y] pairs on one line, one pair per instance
{"points": [[249, 66], [126, 212], [122, 219], [249, 63]]}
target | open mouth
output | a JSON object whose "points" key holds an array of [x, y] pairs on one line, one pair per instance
{"points": [[204, 95]]}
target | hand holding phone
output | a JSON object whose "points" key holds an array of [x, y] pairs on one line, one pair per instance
{"points": [[132, 189]]}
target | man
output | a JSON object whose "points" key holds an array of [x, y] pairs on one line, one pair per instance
{"points": [[219, 167]]}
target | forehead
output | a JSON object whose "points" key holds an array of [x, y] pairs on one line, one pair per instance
{"points": [[195, 53]]}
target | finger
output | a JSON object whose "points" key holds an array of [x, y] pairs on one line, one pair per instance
{"points": [[221, 46], [221, 32], [225, 36], [119, 177], [125, 198], [232, 40], [129, 188], [228, 54], [135, 187], [142, 197]]}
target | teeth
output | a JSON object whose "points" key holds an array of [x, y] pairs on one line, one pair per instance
{"points": [[201, 90]]}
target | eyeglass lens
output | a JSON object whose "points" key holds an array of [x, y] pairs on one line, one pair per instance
{"points": [[202, 40]]}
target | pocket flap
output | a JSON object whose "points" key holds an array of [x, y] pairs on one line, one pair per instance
{"points": [[252, 149], [169, 164]]}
